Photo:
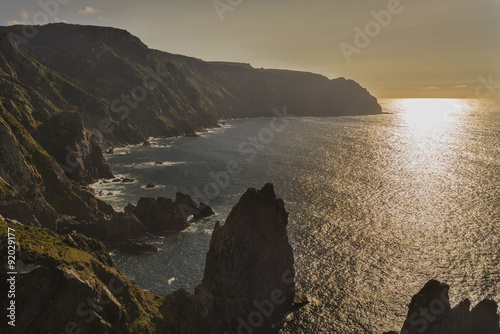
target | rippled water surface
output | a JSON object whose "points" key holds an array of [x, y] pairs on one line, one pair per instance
{"points": [[378, 205]]}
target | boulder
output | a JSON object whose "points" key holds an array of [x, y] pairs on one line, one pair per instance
{"points": [[204, 210], [189, 207], [160, 215], [146, 143], [150, 185], [123, 225]]}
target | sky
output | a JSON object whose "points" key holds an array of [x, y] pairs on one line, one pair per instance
{"points": [[394, 48]]}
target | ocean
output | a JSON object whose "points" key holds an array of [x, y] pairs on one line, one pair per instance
{"points": [[378, 205]]}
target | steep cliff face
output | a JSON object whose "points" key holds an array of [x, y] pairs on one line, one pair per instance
{"points": [[70, 283], [249, 268], [69, 90], [430, 312]]}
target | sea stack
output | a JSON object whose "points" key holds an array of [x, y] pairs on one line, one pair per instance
{"points": [[249, 268]]}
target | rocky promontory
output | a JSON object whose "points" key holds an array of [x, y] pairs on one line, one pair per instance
{"points": [[430, 312], [71, 92], [70, 283]]}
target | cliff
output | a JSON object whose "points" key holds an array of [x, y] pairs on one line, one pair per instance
{"points": [[67, 92], [70, 283]]}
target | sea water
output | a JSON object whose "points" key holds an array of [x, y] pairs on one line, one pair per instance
{"points": [[378, 205]]}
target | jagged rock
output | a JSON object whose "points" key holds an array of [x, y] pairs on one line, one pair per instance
{"points": [[75, 282], [64, 137], [185, 201], [123, 225], [204, 210], [429, 312], [137, 248], [189, 207], [116, 180], [68, 289], [146, 143], [160, 215], [127, 180], [250, 264], [150, 185]]}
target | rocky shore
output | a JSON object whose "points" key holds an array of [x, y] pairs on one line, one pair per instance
{"points": [[70, 282], [430, 312]]}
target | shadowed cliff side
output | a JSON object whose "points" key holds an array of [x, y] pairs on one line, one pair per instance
{"points": [[70, 283]]}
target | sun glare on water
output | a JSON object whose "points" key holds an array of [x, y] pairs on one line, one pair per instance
{"points": [[426, 116]]}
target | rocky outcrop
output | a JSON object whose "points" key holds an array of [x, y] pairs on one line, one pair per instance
{"points": [[249, 269], [62, 288], [160, 216], [430, 312], [78, 152], [188, 207], [70, 283], [123, 226]]}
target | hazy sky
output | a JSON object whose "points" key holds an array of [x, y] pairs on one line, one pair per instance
{"points": [[426, 48]]}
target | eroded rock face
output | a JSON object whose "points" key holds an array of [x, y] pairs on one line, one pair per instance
{"points": [[71, 285], [65, 138], [429, 312], [249, 265]]}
